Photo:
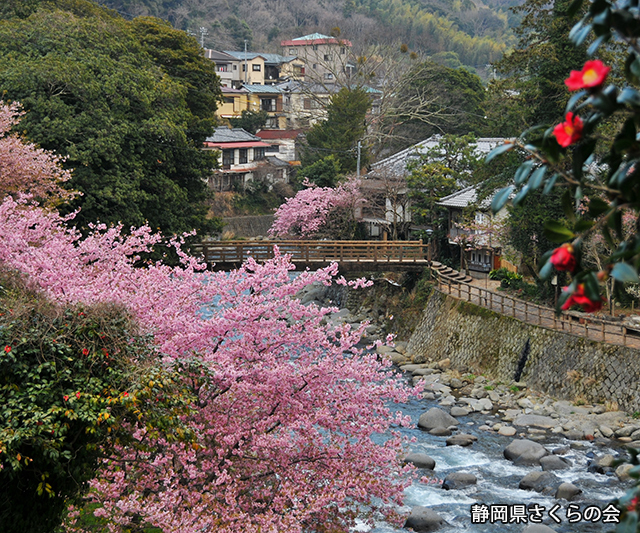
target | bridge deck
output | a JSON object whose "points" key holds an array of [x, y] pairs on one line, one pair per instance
{"points": [[350, 255]]}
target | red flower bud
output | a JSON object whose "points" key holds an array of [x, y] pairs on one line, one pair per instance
{"points": [[570, 131], [563, 258], [592, 75], [580, 298], [78, 395]]}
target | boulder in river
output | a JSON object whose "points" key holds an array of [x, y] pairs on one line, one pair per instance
{"points": [[462, 439], [567, 491], [554, 462], [525, 452], [424, 519], [538, 528], [420, 460], [458, 480], [436, 418], [545, 482]]}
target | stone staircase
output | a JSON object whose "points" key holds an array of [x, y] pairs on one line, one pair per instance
{"points": [[453, 275]]}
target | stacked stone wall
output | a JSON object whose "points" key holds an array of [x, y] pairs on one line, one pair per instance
{"points": [[562, 365]]}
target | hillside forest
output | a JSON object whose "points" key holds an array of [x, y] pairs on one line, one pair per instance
{"points": [[477, 32]]}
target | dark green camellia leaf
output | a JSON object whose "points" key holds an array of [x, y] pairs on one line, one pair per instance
{"points": [[523, 172], [592, 287], [546, 270], [629, 524], [550, 184], [568, 206], [556, 232], [498, 150], [593, 47], [581, 35], [597, 206], [574, 8], [537, 177], [574, 99], [501, 198], [629, 96], [625, 273], [583, 225], [522, 194]]}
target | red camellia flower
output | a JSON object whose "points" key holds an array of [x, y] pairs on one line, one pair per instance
{"points": [[65, 398], [85, 351], [78, 395], [580, 298], [7, 349], [563, 258], [592, 75], [570, 131]]}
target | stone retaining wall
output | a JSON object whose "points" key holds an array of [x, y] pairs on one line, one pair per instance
{"points": [[249, 226], [561, 365]]}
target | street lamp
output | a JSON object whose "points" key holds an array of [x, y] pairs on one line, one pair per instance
{"points": [[429, 235]]}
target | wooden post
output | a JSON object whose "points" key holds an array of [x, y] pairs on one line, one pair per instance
{"points": [[539, 316], [603, 331], [624, 335]]}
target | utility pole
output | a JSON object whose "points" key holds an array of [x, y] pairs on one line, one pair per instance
{"points": [[246, 71], [358, 164], [203, 32]]}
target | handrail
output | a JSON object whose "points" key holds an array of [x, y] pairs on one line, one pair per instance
{"points": [[571, 322], [315, 251]]}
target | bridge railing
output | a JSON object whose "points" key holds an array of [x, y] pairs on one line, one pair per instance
{"points": [[235, 252], [574, 323]]}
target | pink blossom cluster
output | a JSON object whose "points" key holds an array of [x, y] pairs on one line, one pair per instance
{"points": [[313, 208], [25, 168], [286, 422]]}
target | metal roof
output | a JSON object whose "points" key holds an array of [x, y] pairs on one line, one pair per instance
{"points": [[262, 89], [242, 55]]}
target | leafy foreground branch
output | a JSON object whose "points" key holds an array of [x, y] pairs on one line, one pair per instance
{"points": [[600, 234], [279, 412]]}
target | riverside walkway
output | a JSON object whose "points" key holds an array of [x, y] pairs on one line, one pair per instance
{"points": [[588, 326]]}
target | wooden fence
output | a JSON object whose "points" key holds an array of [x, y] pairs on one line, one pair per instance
{"points": [[573, 323], [366, 254]]}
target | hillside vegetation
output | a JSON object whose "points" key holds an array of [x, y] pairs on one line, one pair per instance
{"points": [[477, 31]]}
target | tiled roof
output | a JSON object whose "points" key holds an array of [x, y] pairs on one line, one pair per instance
{"points": [[278, 134], [462, 198], [229, 135], [277, 59], [397, 163], [217, 56]]}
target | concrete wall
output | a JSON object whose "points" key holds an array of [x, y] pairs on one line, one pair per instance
{"points": [[561, 365]]}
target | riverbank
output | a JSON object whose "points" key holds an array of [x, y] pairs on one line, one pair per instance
{"points": [[486, 441]]}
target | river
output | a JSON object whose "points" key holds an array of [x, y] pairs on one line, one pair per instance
{"points": [[498, 480]]}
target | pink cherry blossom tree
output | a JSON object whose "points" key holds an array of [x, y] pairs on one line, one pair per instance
{"points": [[319, 212], [287, 408], [25, 168]]}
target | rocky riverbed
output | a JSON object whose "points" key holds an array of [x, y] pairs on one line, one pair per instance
{"points": [[520, 444]]}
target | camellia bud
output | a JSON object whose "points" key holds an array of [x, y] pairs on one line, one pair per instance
{"points": [[603, 275]]}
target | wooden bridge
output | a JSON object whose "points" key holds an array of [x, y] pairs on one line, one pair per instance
{"points": [[350, 255]]}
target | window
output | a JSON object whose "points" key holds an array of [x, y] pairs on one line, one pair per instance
{"points": [[267, 104], [223, 68], [227, 158], [274, 148], [258, 153], [315, 66], [314, 47], [343, 50], [292, 51], [228, 100], [328, 76], [327, 57], [235, 67], [256, 68], [243, 156]]}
